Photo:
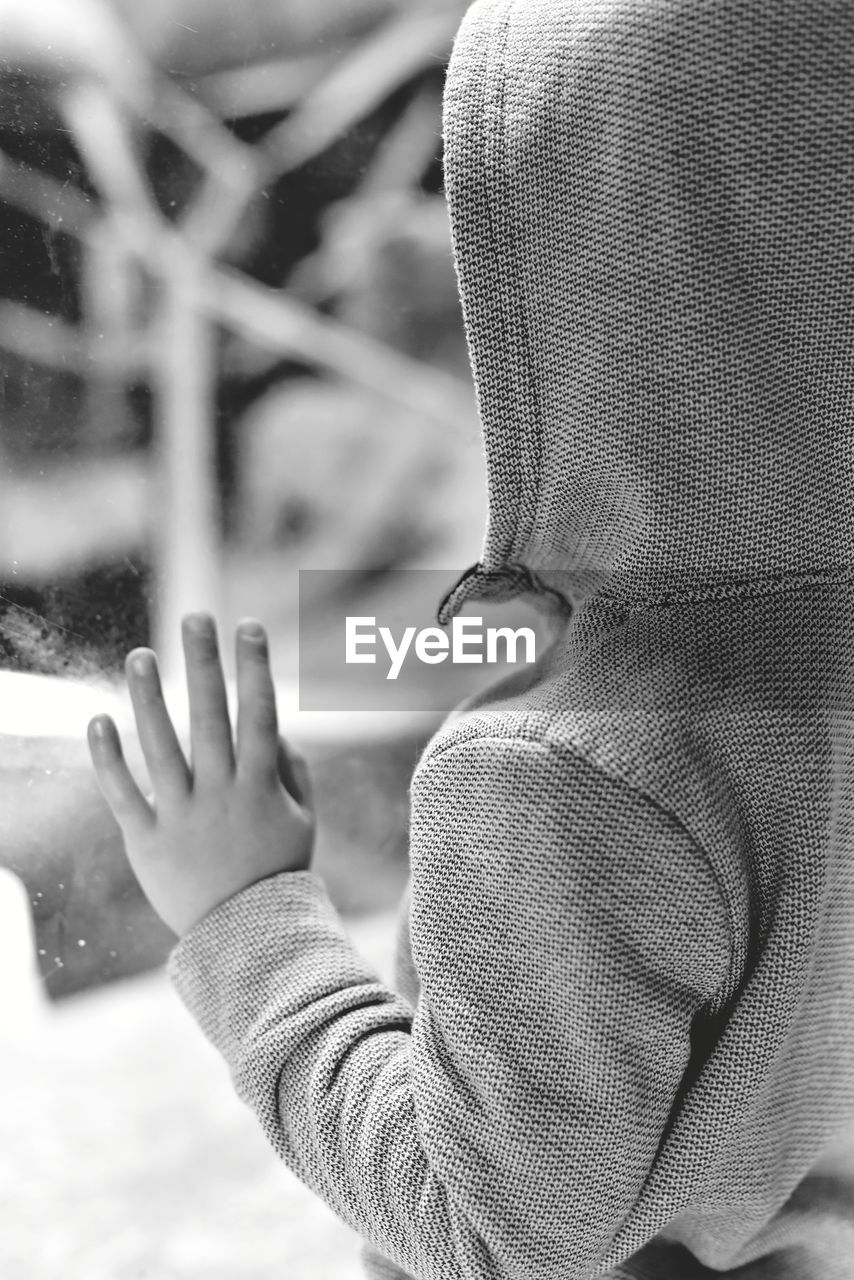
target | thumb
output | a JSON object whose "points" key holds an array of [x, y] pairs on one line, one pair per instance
{"points": [[295, 776]]}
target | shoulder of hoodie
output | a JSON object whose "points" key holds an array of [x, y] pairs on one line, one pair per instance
{"points": [[540, 720], [538, 730], [513, 795]]}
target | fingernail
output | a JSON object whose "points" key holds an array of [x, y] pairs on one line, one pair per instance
{"points": [[98, 728], [251, 630], [200, 624], [142, 664]]}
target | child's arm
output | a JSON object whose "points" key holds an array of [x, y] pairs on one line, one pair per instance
{"points": [[506, 1126]]}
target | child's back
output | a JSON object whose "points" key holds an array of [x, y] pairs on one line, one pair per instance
{"points": [[632, 898]]}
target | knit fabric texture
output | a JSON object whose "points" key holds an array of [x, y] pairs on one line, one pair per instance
{"points": [[621, 1038]]}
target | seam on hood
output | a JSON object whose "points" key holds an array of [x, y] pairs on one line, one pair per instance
{"points": [[480, 203], [532, 446]]}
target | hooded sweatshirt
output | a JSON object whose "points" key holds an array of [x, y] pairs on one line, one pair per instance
{"points": [[621, 1039]]}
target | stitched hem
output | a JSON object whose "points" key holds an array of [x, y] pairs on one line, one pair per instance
{"points": [[773, 584], [480, 583]]}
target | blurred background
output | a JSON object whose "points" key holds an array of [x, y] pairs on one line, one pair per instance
{"points": [[230, 349]]}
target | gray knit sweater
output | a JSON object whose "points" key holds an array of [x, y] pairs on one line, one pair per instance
{"points": [[622, 1039]]}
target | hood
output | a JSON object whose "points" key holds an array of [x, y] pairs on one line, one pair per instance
{"points": [[652, 214]]}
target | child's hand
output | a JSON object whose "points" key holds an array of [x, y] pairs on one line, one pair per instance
{"points": [[242, 813]]}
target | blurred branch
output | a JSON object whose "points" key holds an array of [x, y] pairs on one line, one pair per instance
{"points": [[62, 495], [234, 171], [278, 323], [230, 166], [102, 135], [354, 86], [57, 44], [186, 531], [358, 84], [42, 339], [59, 206], [194, 127], [47, 340], [378, 202], [182, 373], [408, 147], [262, 87], [113, 310]]}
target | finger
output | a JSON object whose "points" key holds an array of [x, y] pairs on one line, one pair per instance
{"points": [[295, 776], [167, 767], [257, 720], [129, 806], [210, 727]]}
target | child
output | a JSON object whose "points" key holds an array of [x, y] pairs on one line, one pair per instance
{"points": [[623, 1037]]}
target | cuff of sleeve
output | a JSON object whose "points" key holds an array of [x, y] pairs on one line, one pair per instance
{"points": [[272, 952]]}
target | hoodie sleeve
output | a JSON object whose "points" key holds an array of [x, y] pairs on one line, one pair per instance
{"points": [[566, 934]]}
